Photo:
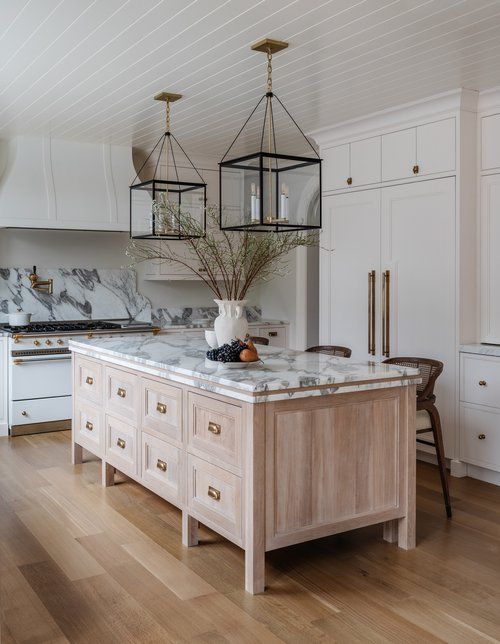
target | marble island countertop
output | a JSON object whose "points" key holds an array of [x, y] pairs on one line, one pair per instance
{"points": [[282, 375]]}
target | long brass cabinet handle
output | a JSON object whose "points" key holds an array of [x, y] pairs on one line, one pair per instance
{"points": [[386, 315], [161, 408], [371, 313], [89, 425], [213, 493], [161, 465], [214, 428], [121, 392], [121, 443], [89, 380]]}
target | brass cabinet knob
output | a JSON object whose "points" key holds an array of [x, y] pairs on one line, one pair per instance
{"points": [[59, 341], [24, 413], [416, 169], [48, 342], [161, 465], [482, 437], [121, 392], [36, 343], [89, 380], [482, 383], [213, 493], [90, 335], [121, 443], [89, 425], [214, 428], [161, 408], [349, 181]]}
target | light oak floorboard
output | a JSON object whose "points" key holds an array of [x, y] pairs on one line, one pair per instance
{"points": [[79, 563]]}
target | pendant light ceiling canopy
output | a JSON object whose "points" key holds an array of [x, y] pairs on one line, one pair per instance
{"points": [[172, 203], [274, 188]]}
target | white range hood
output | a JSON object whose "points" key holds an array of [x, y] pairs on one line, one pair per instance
{"points": [[54, 183]]}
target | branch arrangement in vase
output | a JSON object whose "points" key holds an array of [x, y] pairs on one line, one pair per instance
{"points": [[229, 262]]}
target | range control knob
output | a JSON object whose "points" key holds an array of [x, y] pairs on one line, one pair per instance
{"points": [[48, 342], [36, 343]]}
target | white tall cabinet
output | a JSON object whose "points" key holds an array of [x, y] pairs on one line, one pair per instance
{"points": [[395, 278]]}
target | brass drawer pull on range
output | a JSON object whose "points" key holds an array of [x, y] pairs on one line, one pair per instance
{"points": [[416, 169], [482, 437], [89, 380], [121, 392], [482, 383], [161, 408], [161, 465], [214, 428], [89, 425], [213, 493], [121, 443]]}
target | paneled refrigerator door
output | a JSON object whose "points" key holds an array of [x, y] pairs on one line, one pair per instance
{"points": [[350, 273], [418, 261]]}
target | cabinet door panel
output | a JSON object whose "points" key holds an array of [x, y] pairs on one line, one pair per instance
{"points": [[490, 259], [366, 161], [418, 247], [350, 253], [398, 154], [436, 147], [490, 142], [336, 168]]}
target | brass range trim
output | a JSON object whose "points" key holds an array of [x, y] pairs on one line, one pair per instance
{"points": [[40, 428]]}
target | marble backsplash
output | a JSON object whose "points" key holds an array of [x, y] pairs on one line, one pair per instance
{"points": [[196, 316], [79, 293]]}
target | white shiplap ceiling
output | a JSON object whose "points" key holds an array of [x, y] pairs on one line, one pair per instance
{"points": [[87, 69]]}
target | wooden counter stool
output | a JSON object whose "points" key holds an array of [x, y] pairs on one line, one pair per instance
{"points": [[258, 340], [332, 350], [428, 419]]}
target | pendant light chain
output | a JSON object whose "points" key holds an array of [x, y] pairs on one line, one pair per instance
{"points": [[269, 70], [166, 146], [270, 129]]}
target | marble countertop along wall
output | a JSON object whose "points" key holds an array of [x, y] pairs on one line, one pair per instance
{"points": [[282, 375], [203, 317], [481, 349]]}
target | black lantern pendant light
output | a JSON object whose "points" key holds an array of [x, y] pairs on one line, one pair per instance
{"points": [[267, 190], [160, 207]]}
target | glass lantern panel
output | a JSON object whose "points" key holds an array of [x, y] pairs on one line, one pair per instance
{"points": [[298, 201], [193, 205], [240, 193], [165, 209], [141, 203]]}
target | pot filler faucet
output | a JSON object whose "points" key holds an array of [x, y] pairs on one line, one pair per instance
{"points": [[44, 286]]}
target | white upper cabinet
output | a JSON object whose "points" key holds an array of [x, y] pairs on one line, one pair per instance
{"points": [[490, 142], [399, 155], [490, 258], [352, 164], [436, 147]]}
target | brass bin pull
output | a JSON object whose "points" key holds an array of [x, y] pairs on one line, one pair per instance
{"points": [[272, 334], [214, 428], [386, 307], [161, 408], [121, 443], [89, 425], [482, 383], [89, 380], [121, 392], [371, 313], [482, 437], [161, 465], [416, 169], [213, 493]]}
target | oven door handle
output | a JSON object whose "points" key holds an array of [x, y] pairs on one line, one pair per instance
{"points": [[19, 361]]}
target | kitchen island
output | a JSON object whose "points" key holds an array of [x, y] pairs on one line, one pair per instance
{"points": [[297, 448]]}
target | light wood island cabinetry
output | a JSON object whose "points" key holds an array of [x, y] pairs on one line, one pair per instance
{"points": [[302, 447]]}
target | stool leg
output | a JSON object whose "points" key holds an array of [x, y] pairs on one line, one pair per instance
{"points": [[438, 440]]}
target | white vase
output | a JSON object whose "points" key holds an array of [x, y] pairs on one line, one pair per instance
{"points": [[231, 322]]}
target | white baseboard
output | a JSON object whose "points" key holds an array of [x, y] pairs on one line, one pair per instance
{"points": [[459, 469], [4, 429]]}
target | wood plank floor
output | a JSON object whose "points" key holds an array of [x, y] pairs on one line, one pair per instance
{"points": [[79, 563]]}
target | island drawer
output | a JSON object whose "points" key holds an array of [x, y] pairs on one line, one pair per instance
{"points": [[87, 427], [88, 379], [161, 409], [161, 468], [122, 393], [214, 428], [121, 445], [276, 335], [215, 495]]}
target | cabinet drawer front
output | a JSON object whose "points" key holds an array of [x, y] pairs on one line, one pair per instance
{"points": [[480, 381], [121, 445], [480, 436], [122, 393], [215, 428], [162, 408], [88, 379], [87, 426], [215, 494], [161, 468], [490, 135], [276, 335], [42, 410]]}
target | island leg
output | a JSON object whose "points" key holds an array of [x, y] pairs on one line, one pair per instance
{"points": [[189, 530], [76, 454], [391, 531], [406, 525], [108, 474]]}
